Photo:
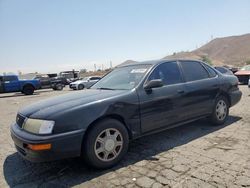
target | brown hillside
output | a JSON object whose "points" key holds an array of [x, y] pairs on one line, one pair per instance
{"points": [[233, 50]]}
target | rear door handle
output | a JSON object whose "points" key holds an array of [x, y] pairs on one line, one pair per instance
{"points": [[180, 91]]}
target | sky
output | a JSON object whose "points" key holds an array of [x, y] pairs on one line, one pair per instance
{"points": [[54, 35]]}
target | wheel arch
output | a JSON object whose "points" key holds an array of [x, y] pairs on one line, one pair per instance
{"points": [[28, 84], [110, 116], [225, 94]]}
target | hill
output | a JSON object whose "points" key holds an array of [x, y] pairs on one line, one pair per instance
{"points": [[231, 51]]}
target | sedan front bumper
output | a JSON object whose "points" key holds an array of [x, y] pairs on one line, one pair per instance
{"points": [[64, 145]]}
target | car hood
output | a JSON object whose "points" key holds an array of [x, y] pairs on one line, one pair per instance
{"points": [[47, 108]]}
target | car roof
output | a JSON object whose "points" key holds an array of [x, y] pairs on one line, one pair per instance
{"points": [[9, 75], [155, 62]]}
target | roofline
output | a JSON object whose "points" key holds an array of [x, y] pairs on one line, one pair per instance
{"points": [[156, 62]]}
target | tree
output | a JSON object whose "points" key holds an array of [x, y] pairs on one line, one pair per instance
{"points": [[83, 71], [206, 60]]}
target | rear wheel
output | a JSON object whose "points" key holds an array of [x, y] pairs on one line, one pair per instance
{"points": [[80, 87], [59, 87], [105, 144], [220, 112], [28, 90]]}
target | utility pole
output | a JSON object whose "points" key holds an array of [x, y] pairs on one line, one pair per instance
{"points": [[111, 65]]}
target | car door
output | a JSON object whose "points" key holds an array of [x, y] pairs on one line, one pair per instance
{"points": [[162, 107], [202, 86], [11, 83]]}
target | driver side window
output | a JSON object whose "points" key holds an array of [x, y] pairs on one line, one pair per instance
{"points": [[168, 72]]}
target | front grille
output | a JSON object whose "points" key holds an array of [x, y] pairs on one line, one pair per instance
{"points": [[19, 120]]}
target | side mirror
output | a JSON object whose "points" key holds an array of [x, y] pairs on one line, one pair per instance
{"points": [[153, 84]]}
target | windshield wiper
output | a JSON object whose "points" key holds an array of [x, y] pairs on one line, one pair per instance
{"points": [[105, 88]]}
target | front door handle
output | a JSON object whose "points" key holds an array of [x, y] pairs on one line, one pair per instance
{"points": [[180, 91]]}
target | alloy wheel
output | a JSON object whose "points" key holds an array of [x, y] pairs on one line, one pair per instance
{"points": [[221, 110], [108, 144]]}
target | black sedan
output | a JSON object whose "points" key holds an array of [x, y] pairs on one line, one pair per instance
{"points": [[131, 101]]}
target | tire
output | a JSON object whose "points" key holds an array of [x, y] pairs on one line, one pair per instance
{"points": [[59, 87], [28, 90], [80, 87], [220, 111], [102, 150]]}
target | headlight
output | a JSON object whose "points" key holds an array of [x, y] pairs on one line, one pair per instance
{"points": [[38, 126]]}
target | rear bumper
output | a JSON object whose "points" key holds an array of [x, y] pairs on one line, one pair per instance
{"points": [[64, 145], [235, 97]]}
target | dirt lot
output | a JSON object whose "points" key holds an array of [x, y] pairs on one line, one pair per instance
{"points": [[193, 155]]}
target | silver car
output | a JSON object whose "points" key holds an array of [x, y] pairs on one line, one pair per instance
{"points": [[86, 82]]}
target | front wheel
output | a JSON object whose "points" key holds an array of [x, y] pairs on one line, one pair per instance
{"points": [[80, 87], [220, 111], [105, 144]]}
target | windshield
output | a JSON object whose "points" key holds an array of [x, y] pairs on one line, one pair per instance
{"points": [[123, 78], [246, 68]]}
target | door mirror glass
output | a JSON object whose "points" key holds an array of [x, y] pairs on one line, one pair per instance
{"points": [[153, 84]]}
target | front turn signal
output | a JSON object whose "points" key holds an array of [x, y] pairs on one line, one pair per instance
{"points": [[39, 147]]}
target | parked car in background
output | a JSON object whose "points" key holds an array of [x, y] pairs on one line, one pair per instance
{"points": [[131, 101], [233, 69], [249, 83], [51, 81], [86, 82], [224, 70], [70, 76], [11, 83], [243, 74]]}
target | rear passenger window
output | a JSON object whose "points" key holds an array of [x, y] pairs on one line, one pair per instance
{"points": [[193, 70], [211, 71], [168, 72]]}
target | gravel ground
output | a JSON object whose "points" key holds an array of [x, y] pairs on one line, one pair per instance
{"points": [[193, 155]]}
